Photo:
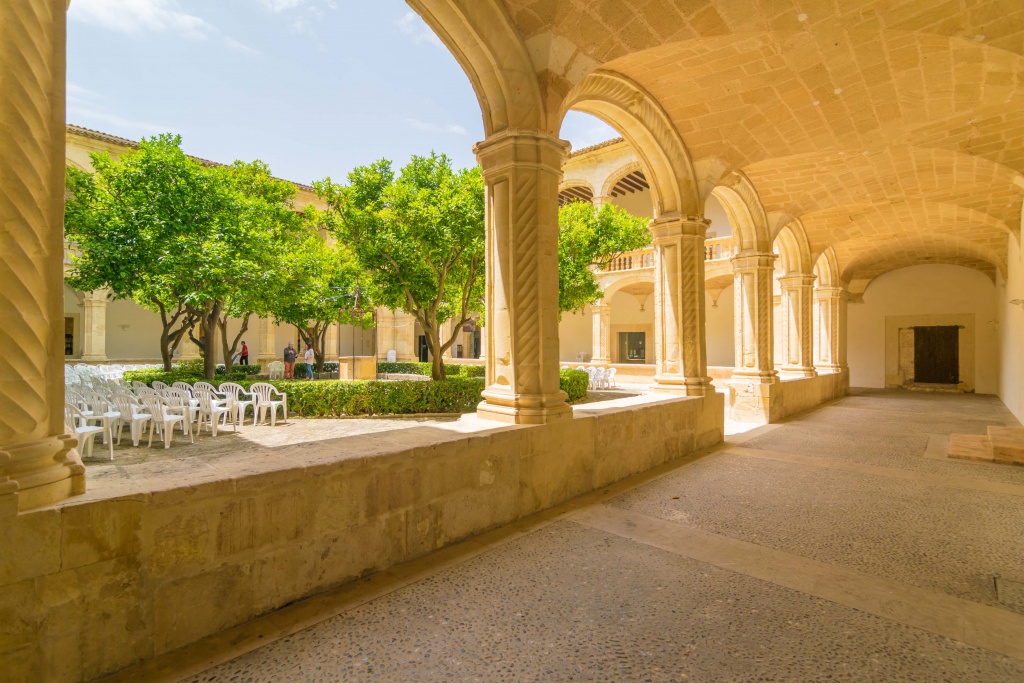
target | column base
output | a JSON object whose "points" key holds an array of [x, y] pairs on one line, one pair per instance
{"points": [[40, 473], [682, 386], [263, 360], [93, 359], [501, 406], [792, 372], [832, 369]]}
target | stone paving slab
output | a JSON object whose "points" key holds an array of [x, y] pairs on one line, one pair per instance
{"points": [[570, 603]]}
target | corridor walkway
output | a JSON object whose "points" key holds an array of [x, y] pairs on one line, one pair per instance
{"points": [[840, 546]]}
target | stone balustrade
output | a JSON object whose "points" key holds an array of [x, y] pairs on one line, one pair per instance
{"points": [[716, 249]]}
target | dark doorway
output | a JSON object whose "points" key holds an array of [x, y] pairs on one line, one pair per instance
{"points": [[937, 354], [423, 351], [631, 347]]}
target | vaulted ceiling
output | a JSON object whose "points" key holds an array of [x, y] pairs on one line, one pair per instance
{"points": [[892, 130]]}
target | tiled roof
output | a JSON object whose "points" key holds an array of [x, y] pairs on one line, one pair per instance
{"points": [[115, 140], [592, 148]]}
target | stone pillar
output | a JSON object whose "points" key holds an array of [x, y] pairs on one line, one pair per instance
{"points": [[521, 172], [94, 326], [754, 329], [38, 463], [600, 200], [267, 338], [602, 354], [331, 339], [483, 344], [679, 341], [797, 311], [830, 329]]}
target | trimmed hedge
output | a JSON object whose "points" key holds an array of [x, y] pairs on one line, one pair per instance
{"points": [[147, 377], [336, 399], [425, 369], [330, 366], [574, 383]]}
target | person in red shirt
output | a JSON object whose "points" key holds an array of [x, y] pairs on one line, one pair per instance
{"points": [[243, 358]]}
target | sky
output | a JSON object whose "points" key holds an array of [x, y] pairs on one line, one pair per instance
{"points": [[311, 87]]}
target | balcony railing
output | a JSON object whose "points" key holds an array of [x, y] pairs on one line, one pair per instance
{"points": [[716, 249]]}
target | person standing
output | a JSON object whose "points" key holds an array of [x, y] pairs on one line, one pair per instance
{"points": [[289, 361], [243, 357], [310, 359]]}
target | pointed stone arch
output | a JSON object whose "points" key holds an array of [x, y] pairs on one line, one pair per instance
{"points": [[627, 107]]}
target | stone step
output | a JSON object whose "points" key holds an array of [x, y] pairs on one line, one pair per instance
{"points": [[1007, 444], [970, 447]]}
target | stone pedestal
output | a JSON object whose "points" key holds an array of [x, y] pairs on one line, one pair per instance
{"points": [[94, 327], [521, 172], [38, 463], [754, 337], [602, 342], [679, 343], [797, 308], [360, 367], [830, 329]]}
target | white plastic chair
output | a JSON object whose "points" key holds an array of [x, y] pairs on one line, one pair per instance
{"points": [[212, 410], [76, 424], [183, 401], [265, 394], [159, 386], [132, 414], [599, 374], [609, 379], [275, 369], [164, 416], [236, 404]]}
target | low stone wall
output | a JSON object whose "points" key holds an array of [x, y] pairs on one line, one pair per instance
{"points": [[797, 395], [114, 577]]}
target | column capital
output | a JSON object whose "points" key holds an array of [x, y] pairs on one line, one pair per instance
{"points": [[673, 225], [514, 148], [830, 293], [752, 260], [793, 280]]}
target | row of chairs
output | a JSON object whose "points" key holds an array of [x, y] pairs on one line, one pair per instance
{"points": [[600, 378], [107, 406]]}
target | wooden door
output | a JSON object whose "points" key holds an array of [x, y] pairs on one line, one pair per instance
{"points": [[937, 354]]}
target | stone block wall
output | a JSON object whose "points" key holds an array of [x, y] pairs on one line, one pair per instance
{"points": [[101, 581]]}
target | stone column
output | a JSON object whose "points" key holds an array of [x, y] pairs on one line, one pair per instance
{"points": [[602, 352], [600, 200], [521, 172], [830, 329], [94, 326], [797, 311], [754, 329], [679, 343], [38, 463], [267, 338], [331, 343], [483, 344]]}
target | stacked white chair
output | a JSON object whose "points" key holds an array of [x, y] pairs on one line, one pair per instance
{"points": [[610, 378], [238, 401]]}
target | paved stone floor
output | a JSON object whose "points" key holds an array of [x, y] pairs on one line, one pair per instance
{"points": [[839, 546]]}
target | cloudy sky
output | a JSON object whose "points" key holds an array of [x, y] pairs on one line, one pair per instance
{"points": [[312, 87]]}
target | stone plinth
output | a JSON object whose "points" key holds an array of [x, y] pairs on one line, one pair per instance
{"points": [[365, 367]]}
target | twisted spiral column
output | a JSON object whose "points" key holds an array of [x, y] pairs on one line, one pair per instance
{"points": [[522, 170], [38, 463], [830, 328], [797, 307], [679, 343], [602, 341]]}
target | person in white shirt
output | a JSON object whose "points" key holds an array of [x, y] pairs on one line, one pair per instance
{"points": [[310, 358]]}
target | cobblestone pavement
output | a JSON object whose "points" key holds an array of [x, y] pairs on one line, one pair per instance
{"points": [[834, 547]]}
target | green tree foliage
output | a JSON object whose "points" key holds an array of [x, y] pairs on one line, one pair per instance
{"points": [[193, 243], [130, 222], [590, 238], [419, 237], [322, 286]]}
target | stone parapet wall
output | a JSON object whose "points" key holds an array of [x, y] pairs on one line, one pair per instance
{"points": [[792, 396], [121, 575]]}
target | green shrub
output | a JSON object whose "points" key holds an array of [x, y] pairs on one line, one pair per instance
{"points": [[404, 368], [238, 369], [193, 365], [330, 366], [334, 399], [425, 369], [574, 383], [147, 377]]}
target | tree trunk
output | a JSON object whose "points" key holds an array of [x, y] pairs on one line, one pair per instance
{"points": [[208, 317], [229, 349], [169, 340]]}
